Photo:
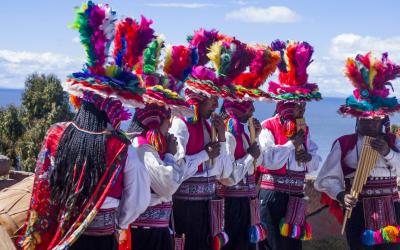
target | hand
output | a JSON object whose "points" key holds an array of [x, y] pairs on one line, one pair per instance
{"points": [[257, 126], [347, 200], [303, 156], [254, 150], [380, 145], [219, 125], [122, 235], [172, 144], [298, 139], [213, 149]]}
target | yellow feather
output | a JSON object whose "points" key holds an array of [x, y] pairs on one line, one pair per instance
{"points": [[215, 54], [372, 71]]}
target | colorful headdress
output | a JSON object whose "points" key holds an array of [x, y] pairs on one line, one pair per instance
{"points": [[370, 76], [113, 82], [163, 88], [293, 78], [229, 57], [247, 85]]}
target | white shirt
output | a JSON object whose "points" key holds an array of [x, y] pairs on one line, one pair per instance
{"points": [[276, 156], [331, 178], [135, 194], [242, 166], [165, 175], [222, 167]]}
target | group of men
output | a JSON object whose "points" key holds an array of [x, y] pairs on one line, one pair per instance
{"points": [[187, 176]]}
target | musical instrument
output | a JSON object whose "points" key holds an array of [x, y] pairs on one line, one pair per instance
{"points": [[252, 131], [366, 163], [300, 125], [213, 138]]}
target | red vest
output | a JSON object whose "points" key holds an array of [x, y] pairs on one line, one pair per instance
{"points": [[196, 138], [347, 143], [275, 126]]}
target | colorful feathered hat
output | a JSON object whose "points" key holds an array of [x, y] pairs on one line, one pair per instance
{"points": [[293, 78], [162, 88], [108, 84], [246, 86], [229, 58], [370, 76]]}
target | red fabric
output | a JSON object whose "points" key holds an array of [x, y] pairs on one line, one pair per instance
{"points": [[239, 150], [196, 138], [347, 143], [45, 227], [277, 129]]}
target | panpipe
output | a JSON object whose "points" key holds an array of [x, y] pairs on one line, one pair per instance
{"points": [[213, 138], [252, 137], [366, 163], [300, 125]]}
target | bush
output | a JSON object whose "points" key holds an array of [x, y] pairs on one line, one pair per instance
{"points": [[23, 128]]}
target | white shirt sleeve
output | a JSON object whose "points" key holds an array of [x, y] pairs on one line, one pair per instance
{"points": [[136, 191], [316, 159], [239, 167], [330, 178], [393, 158], [274, 156]]}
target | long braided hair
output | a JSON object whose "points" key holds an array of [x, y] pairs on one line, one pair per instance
{"points": [[80, 158]]}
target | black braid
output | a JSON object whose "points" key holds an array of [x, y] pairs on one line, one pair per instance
{"points": [[80, 152], [136, 127]]}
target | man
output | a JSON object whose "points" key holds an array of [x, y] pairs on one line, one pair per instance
{"points": [[288, 151], [197, 212], [375, 214], [85, 180], [242, 221]]}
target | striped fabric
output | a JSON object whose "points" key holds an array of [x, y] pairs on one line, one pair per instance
{"points": [[157, 216], [197, 188], [103, 224], [296, 211], [255, 211], [217, 216], [245, 188], [379, 212], [377, 186], [292, 182]]}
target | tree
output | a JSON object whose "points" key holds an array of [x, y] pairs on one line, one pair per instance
{"points": [[11, 130], [43, 104]]}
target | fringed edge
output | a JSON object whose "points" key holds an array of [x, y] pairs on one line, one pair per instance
{"points": [[295, 231]]}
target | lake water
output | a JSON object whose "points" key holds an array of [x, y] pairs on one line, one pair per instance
{"points": [[325, 124]]}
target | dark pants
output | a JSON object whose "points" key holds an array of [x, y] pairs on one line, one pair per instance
{"points": [[192, 218], [273, 209], [151, 239], [356, 226], [86, 242], [237, 223]]}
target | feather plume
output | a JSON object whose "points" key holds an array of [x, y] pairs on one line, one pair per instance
{"points": [[95, 23]]}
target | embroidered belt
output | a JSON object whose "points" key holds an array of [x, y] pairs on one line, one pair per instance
{"points": [[292, 182], [245, 188], [103, 224], [196, 188], [377, 186], [155, 216]]}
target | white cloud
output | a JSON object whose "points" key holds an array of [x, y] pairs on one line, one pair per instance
{"points": [[181, 5], [76, 39], [348, 44], [16, 65], [273, 14], [327, 70]]}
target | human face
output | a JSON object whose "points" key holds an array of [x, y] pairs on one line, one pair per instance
{"points": [[166, 125], [208, 106], [245, 117], [369, 126]]}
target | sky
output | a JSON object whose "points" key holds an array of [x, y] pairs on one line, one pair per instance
{"points": [[35, 36]]}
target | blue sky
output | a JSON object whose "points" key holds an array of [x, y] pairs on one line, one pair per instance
{"points": [[35, 35]]}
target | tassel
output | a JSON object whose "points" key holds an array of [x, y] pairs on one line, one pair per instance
{"points": [[257, 232], [307, 232], [284, 228], [219, 241], [390, 234], [368, 238]]}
